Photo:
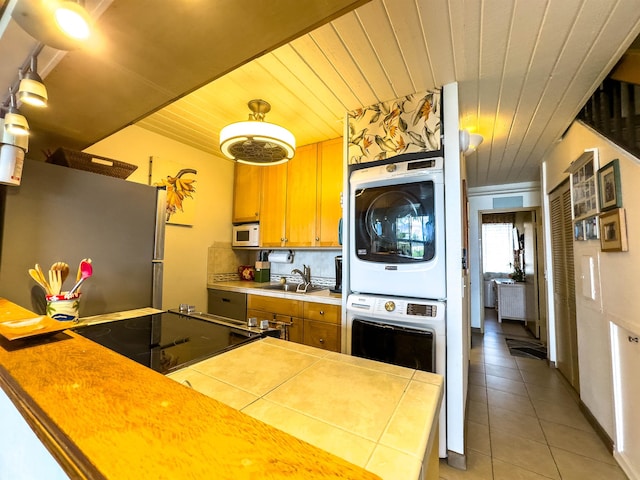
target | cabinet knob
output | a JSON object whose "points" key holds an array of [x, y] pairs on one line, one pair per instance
{"points": [[321, 312], [317, 239], [322, 340]]}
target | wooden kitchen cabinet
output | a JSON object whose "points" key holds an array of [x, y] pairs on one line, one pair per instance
{"points": [[329, 187], [299, 201], [278, 310], [300, 221], [322, 325], [247, 187], [312, 323], [273, 206]]}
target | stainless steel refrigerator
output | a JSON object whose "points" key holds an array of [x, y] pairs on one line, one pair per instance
{"points": [[62, 214]]}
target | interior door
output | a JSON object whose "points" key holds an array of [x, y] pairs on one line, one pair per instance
{"points": [[531, 273], [564, 299]]}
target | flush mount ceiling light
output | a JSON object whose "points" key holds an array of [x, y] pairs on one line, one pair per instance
{"points": [[255, 141], [61, 24], [469, 142], [14, 122], [32, 89]]}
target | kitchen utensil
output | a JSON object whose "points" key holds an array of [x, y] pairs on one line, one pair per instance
{"points": [[43, 280], [63, 268], [79, 274], [86, 270], [54, 282], [34, 274]]}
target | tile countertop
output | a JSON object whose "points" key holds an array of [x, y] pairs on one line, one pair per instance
{"points": [[378, 416], [320, 296], [104, 416]]}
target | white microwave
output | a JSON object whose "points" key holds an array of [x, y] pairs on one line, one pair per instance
{"points": [[247, 235]]}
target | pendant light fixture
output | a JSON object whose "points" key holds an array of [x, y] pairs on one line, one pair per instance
{"points": [[14, 122], [61, 24], [32, 89], [256, 142]]}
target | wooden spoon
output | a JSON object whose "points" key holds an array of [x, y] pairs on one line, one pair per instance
{"points": [[43, 280], [34, 274]]}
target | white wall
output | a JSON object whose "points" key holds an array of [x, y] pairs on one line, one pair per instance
{"points": [[481, 200], [186, 247], [615, 274]]}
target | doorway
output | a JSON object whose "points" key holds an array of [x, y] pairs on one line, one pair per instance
{"points": [[510, 253], [564, 298]]}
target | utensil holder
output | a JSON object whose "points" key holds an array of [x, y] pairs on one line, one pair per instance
{"points": [[63, 308]]}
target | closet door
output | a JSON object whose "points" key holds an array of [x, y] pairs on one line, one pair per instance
{"points": [[564, 299]]}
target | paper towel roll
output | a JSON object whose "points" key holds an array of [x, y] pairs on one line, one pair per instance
{"points": [[281, 256]]}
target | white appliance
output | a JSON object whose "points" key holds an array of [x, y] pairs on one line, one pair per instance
{"points": [[402, 331], [397, 231], [246, 235]]}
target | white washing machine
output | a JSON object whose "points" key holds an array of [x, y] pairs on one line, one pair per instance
{"points": [[410, 332]]}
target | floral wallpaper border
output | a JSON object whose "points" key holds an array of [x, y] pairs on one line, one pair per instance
{"points": [[406, 125]]}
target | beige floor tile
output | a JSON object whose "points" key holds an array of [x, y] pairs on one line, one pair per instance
{"points": [[478, 438], [506, 385], [515, 423], [504, 372], [477, 379], [478, 468], [476, 367], [577, 441], [344, 444], [506, 471], [531, 363], [477, 412], [555, 393], [501, 361], [545, 377], [565, 413], [477, 393], [510, 401], [223, 392], [577, 467], [324, 396], [527, 454]]}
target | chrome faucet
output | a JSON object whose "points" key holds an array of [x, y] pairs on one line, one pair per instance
{"points": [[306, 277]]}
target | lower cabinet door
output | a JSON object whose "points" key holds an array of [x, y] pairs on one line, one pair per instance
{"points": [[322, 335]]}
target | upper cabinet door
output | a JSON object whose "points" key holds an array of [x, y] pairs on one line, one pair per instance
{"points": [[273, 206], [301, 197], [329, 187], [246, 193]]}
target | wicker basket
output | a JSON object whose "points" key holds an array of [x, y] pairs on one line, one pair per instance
{"points": [[91, 163]]}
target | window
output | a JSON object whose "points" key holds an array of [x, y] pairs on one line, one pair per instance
{"points": [[498, 241]]}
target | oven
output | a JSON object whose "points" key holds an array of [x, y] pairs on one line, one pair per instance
{"points": [[409, 332], [397, 230]]}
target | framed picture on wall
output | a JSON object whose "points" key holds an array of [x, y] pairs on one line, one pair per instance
{"points": [[613, 231], [584, 192], [591, 230], [609, 186]]}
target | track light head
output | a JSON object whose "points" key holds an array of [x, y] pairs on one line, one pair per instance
{"points": [[32, 90]]}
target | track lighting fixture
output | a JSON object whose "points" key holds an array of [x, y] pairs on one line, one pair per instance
{"points": [[255, 141], [61, 24], [32, 89], [14, 122], [469, 142]]}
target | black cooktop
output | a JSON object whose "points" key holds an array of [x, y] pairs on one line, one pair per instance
{"points": [[168, 341]]}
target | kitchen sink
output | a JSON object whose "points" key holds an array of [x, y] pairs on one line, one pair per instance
{"points": [[293, 287]]}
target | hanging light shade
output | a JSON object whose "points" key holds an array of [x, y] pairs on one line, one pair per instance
{"points": [[32, 89], [14, 122], [61, 24], [255, 141]]}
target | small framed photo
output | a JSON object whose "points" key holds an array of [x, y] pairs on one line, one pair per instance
{"points": [[613, 231], [591, 231], [609, 186], [578, 231]]}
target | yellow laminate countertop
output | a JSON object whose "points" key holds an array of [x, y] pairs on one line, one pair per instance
{"points": [[102, 415], [379, 416]]}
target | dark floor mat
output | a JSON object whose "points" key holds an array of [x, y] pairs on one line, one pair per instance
{"points": [[526, 348]]}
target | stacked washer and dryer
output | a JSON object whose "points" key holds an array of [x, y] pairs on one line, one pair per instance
{"points": [[397, 271]]}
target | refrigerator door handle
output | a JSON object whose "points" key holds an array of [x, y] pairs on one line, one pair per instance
{"points": [[161, 211]]}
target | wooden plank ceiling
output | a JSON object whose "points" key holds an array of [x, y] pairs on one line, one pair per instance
{"points": [[524, 69]]}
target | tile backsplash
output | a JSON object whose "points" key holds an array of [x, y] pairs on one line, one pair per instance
{"points": [[223, 263]]}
